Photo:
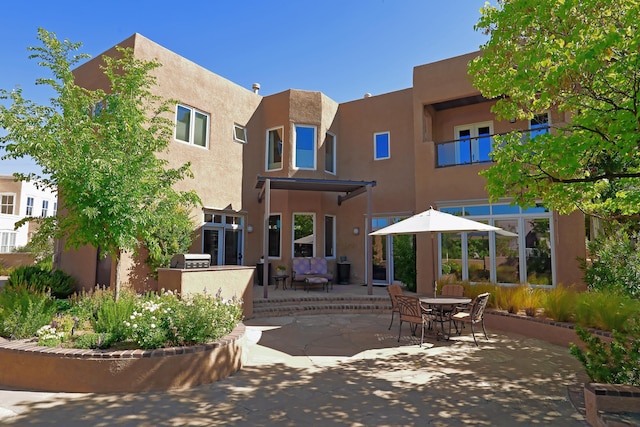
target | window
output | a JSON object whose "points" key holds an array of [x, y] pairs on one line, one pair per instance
{"points": [[305, 151], [45, 208], [192, 126], [55, 209], [304, 234], [330, 153], [274, 148], [524, 256], [381, 148], [473, 144], [275, 236], [30, 202], [329, 236], [6, 203], [539, 125], [7, 241], [239, 133]]}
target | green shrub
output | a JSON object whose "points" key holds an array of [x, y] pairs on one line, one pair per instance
{"points": [[616, 263], [23, 311], [560, 303], [111, 315], [159, 320], [404, 260], [616, 362], [58, 282], [94, 340], [606, 310]]}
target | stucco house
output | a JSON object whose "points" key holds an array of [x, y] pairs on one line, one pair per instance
{"points": [[20, 199], [341, 170]]}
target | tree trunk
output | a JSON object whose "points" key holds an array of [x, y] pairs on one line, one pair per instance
{"points": [[117, 256]]}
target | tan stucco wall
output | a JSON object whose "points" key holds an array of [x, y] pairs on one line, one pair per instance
{"points": [[99, 371], [231, 281]]}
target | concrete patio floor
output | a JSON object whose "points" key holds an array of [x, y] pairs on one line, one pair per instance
{"points": [[343, 370]]}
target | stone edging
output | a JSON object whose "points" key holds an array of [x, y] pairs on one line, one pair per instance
{"points": [[102, 371]]}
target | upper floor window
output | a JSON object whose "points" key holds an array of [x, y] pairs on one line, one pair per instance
{"points": [[539, 124], [305, 149], [275, 138], [330, 153], [55, 209], [30, 202], [45, 208], [192, 126], [381, 146], [239, 133], [473, 144], [6, 203]]}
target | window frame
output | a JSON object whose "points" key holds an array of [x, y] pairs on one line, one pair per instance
{"points": [[293, 233], [45, 208], [330, 141], [376, 155], [314, 149], [278, 225], [535, 130], [192, 126], [243, 138], [474, 141], [29, 206], [268, 149], [330, 234], [7, 241], [6, 206]]}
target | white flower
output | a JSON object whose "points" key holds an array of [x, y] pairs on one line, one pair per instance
{"points": [[153, 325]]}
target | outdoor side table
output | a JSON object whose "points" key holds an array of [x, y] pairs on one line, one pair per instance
{"points": [[281, 279]]}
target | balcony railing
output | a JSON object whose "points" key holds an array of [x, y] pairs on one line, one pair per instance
{"points": [[468, 151]]}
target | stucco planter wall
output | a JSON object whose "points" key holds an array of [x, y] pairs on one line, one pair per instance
{"points": [[26, 365], [559, 333]]}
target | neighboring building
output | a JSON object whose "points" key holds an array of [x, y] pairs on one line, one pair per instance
{"points": [[408, 150], [19, 199]]}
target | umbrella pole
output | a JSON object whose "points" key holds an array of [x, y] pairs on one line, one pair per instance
{"points": [[433, 262]]}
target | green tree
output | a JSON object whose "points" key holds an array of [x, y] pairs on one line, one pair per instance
{"points": [[98, 148], [581, 58]]}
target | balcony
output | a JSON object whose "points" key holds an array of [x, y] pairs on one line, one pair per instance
{"points": [[474, 150]]}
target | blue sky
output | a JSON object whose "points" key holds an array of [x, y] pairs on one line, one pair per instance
{"points": [[343, 48]]}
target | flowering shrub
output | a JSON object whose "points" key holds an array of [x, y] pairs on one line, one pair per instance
{"points": [[159, 320], [50, 336]]}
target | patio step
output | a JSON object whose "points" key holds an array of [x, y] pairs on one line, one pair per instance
{"points": [[329, 304]]}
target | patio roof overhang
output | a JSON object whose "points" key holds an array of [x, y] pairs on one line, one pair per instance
{"points": [[349, 188]]}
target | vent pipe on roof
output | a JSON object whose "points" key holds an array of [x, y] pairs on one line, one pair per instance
{"points": [[367, 95], [256, 87]]}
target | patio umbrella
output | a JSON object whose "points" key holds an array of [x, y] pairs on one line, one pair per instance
{"points": [[437, 222]]}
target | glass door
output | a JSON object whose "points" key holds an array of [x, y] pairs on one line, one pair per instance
{"points": [[211, 245], [233, 247]]}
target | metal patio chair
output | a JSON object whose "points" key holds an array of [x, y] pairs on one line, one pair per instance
{"points": [[411, 311]]}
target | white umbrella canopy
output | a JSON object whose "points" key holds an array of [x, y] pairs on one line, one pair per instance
{"points": [[306, 240], [436, 221]]}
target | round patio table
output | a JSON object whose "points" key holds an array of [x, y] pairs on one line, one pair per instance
{"points": [[444, 307]]}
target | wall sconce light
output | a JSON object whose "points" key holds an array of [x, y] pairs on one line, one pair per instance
{"points": [[356, 231], [249, 228]]}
